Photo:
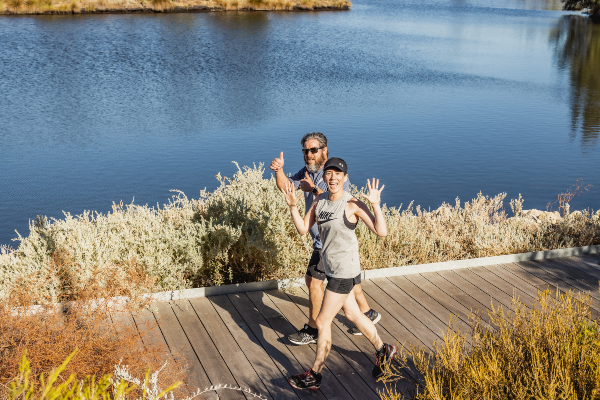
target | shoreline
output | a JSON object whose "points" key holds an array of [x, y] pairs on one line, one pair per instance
{"points": [[159, 7]]}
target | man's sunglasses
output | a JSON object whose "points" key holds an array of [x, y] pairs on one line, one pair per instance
{"points": [[313, 150]]}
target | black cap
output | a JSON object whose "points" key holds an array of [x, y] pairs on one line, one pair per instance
{"points": [[336, 163]]}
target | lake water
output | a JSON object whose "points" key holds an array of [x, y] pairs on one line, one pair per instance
{"points": [[439, 99]]}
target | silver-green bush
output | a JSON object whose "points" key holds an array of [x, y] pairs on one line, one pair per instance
{"points": [[242, 232]]}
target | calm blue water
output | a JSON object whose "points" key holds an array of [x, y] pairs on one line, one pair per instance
{"points": [[439, 99]]}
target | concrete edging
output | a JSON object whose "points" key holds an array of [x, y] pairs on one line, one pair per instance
{"points": [[375, 273]]}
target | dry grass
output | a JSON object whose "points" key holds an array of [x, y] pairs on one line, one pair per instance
{"points": [[242, 232], [49, 333], [549, 352], [90, 6], [479, 228]]}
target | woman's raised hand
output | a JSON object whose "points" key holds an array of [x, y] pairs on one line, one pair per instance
{"points": [[289, 194], [374, 196]]}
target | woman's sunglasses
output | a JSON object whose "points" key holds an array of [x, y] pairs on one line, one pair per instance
{"points": [[313, 150]]}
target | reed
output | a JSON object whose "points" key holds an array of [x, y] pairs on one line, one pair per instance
{"points": [[66, 6], [31, 5], [15, 5]]}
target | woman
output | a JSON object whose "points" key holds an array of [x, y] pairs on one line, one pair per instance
{"points": [[336, 213]]}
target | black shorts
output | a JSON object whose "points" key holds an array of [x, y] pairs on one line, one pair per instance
{"points": [[313, 266], [341, 285]]}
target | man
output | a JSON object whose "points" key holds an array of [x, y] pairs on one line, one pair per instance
{"points": [[310, 180]]}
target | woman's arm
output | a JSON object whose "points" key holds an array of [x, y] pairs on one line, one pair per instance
{"points": [[376, 223], [302, 224]]}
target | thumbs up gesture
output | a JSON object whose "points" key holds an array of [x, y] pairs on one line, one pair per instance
{"points": [[307, 183], [277, 163]]}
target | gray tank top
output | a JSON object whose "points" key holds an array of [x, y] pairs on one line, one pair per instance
{"points": [[339, 255]]}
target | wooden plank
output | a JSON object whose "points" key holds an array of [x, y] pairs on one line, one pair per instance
{"points": [[481, 295], [215, 367], [550, 273], [530, 278], [407, 311], [586, 265], [436, 301], [527, 270], [336, 364], [240, 367], [263, 364], [351, 346], [592, 257], [511, 289], [575, 278], [270, 340], [469, 304], [153, 338], [123, 322], [150, 332], [181, 348], [579, 271], [486, 287]]}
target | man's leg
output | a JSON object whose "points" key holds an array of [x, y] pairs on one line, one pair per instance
{"points": [[362, 322], [314, 281], [361, 300]]}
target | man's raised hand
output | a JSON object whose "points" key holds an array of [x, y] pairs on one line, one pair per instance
{"points": [[374, 196], [277, 163], [289, 194], [306, 184]]}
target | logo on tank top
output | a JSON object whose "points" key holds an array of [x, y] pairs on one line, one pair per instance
{"points": [[325, 216]]}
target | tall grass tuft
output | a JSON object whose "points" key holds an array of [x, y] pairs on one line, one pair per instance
{"points": [[551, 351]]}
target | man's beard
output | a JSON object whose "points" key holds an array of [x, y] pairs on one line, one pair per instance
{"points": [[319, 162]]}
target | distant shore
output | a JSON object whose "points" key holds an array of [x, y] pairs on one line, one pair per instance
{"points": [[65, 7]]}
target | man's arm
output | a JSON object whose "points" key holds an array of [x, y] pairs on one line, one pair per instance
{"points": [[280, 178]]}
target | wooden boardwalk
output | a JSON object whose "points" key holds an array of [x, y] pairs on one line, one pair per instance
{"points": [[239, 339]]}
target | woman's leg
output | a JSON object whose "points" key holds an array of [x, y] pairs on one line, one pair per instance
{"points": [[332, 302], [362, 322]]}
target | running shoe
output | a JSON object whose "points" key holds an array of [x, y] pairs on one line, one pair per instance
{"points": [[383, 356], [308, 380], [372, 315], [305, 335]]}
